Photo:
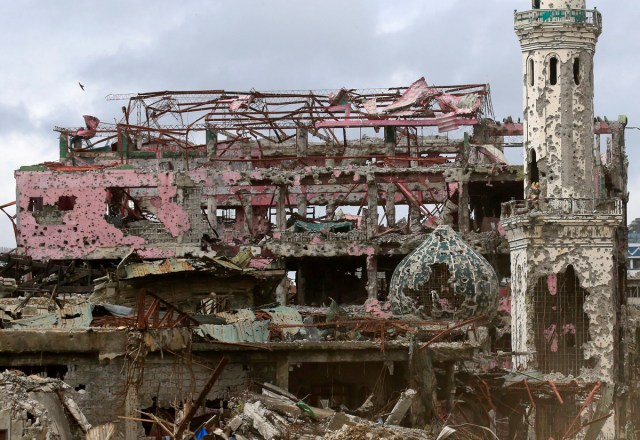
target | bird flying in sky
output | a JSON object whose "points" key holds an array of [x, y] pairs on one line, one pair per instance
{"points": [[81, 86]]}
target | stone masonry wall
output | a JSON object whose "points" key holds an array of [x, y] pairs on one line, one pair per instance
{"points": [[100, 388]]}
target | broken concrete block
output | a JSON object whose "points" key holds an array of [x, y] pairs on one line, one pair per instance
{"points": [[234, 423], [341, 419], [402, 406], [257, 414]]}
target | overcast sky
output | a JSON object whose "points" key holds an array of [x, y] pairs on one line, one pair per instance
{"points": [[121, 46]]}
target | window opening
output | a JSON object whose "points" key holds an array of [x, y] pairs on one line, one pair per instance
{"points": [[35, 204], [534, 173], [531, 72], [553, 71], [536, 4], [576, 71], [560, 323], [66, 203], [226, 215]]}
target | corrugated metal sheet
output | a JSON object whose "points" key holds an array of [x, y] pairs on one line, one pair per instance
{"points": [[171, 265], [285, 316], [241, 331], [242, 325], [76, 316], [237, 315]]}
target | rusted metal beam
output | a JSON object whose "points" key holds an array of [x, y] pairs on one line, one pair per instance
{"points": [[201, 397]]}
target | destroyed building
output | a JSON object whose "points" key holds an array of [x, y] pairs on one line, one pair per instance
{"points": [[356, 254]]}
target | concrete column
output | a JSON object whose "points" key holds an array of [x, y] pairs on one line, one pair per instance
{"points": [[282, 373], [302, 205], [301, 285], [422, 379], [413, 152], [212, 207], [390, 140], [247, 206], [372, 277], [414, 218], [331, 209], [281, 213], [463, 208], [390, 206], [451, 385], [212, 143], [372, 209], [131, 407], [246, 155], [302, 141], [282, 291]]}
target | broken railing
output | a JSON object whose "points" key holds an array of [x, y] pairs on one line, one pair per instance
{"points": [[563, 206], [306, 237], [590, 18]]}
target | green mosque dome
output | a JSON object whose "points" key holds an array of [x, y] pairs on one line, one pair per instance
{"points": [[444, 278]]}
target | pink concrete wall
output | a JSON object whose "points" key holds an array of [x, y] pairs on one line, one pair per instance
{"points": [[84, 229]]}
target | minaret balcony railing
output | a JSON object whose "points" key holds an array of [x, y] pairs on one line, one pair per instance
{"points": [[558, 17], [563, 206]]}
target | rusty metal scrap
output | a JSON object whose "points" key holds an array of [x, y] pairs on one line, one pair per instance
{"points": [[153, 317], [272, 116]]}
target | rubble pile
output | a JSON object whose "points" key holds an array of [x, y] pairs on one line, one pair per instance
{"points": [[365, 431], [277, 414], [37, 406]]}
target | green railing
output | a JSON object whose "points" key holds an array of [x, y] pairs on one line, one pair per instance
{"points": [[558, 16]]}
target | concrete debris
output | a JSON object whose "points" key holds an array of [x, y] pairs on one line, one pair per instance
{"points": [[402, 406], [368, 431], [7, 286], [101, 432], [267, 423], [32, 406]]}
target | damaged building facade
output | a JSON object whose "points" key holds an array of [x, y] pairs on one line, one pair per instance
{"points": [[303, 264]]}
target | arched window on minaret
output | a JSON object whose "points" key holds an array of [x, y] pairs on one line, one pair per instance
{"points": [[576, 71], [536, 4], [553, 71], [534, 174], [531, 72]]}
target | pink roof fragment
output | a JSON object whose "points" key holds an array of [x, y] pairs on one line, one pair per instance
{"points": [[92, 125], [418, 93], [460, 105], [242, 101]]}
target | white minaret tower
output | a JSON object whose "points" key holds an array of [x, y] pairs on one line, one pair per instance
{"points": [[567, 239], [558, 40]]}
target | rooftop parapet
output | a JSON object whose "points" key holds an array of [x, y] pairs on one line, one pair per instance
{"points": [[563, 206]]}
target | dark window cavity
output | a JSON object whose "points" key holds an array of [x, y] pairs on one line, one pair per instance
{"points": [[534, 173], [576, 71], [66, 203], [35, 204], [553, 71], [531, 72]]}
